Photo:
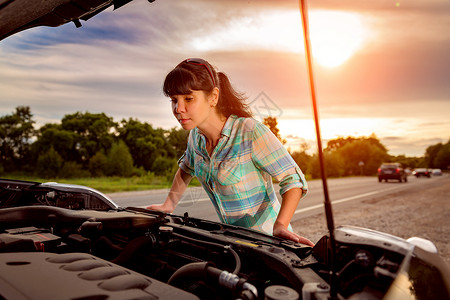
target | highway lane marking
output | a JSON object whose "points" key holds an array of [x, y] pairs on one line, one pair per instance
{"points": [[343, 200], [186, 201]]}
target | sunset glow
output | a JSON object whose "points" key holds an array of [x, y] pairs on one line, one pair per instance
{"points": [[379, 67], [331, 128], [335, 35]]}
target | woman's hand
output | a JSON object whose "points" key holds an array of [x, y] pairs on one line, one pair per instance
{"points": [[165, 207], [287, 210], [282, 232], [180, 182]]}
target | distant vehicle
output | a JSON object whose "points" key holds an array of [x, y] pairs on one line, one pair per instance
{"points": [[408, 171], [436, 172], [392, 171], [422, 172]]}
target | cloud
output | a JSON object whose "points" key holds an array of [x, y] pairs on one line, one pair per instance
{"points": [[416, 146], [117, 61]]}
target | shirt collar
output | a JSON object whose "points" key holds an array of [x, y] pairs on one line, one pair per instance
{"points": [[226, 131], [229, 125]]}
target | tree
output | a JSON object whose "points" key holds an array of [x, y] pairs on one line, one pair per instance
{"points": [[92, 133], [177, 139], [49, 164], [63, 141], [98, 164], [302, 158], [71, 169], [361, 151], [442, 160], [120, 162], [164, 166], [272, 123], [340, 142], [334, 166], [430, 155], [145, 142], [351, 151], [407, 162], [16, 132]]}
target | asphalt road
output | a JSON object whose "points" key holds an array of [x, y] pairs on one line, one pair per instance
{"points": [[342, 191]]}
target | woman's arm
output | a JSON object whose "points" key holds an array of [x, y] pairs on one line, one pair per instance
{"points": [[179, 184], [290, 200]]}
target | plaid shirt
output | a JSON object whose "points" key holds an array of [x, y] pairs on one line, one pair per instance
{"points": [[238, 174]]}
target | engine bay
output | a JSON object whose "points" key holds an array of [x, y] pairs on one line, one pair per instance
{"points": [[167, 256]]}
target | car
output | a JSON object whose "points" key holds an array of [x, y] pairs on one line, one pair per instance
{"points": [[51, 249], [422, 172], [49, 252], [15, 193], [436, 172], [394, 171]]}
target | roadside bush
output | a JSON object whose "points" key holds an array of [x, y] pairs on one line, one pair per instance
{"points": [[120, 162], [163, 165], [360, 151], [333, 165], [98, 164], [71, 169], [140, 172], [442, 159], [49, 164], [303, 160]]}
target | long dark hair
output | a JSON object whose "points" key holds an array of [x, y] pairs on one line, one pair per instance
{"points": [[198, 75]]}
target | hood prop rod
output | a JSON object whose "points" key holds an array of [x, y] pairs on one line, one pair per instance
{"points": [[327, 202]]}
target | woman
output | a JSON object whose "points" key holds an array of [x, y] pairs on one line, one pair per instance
{"points": [[233, 155]]}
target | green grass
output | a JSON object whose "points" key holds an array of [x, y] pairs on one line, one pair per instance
{"points": [[110, 184]]}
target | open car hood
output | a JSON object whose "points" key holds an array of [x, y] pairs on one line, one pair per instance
{"points": [[18, 15]]}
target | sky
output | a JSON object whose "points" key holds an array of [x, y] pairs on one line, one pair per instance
{"points": [[380, 67]]}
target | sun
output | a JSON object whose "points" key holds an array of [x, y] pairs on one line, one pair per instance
{"points": [[336, 36]]}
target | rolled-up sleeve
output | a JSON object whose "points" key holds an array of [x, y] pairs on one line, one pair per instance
{"points": [[294, 181], [271, 156]]}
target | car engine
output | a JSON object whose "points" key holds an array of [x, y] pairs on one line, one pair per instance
{"points": [[135, 253]]}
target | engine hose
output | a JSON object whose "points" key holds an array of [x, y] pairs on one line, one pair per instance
{"points": [[192, 270], [207, 271], [236, 258], [130, 250], [226, 248]]}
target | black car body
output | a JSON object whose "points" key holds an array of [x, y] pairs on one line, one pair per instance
{"points": [[14, 193], [388, 171], [422, 172], [49, 252]]}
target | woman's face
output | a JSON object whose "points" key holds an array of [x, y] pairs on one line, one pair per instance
{"points": [[194, 109]]}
